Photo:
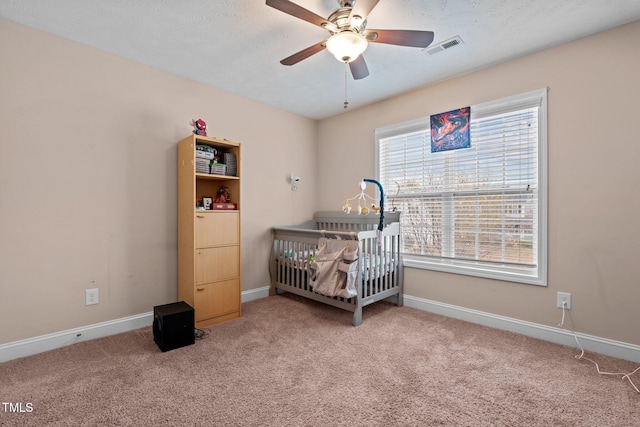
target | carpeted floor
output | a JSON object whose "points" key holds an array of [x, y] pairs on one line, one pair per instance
{"points": [[293, 362]]}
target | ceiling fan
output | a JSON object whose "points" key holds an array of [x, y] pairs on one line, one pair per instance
{"points": [[348, 34]]}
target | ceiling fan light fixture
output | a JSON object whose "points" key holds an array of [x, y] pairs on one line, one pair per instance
{"points": [[346, 46]]}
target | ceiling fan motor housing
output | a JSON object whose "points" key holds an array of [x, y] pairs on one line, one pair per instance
{"points": [[343, 21]]}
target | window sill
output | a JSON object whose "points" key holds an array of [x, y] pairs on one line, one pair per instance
{"points": [[529, 276]]}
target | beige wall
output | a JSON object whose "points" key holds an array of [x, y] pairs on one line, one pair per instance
{"points": [[88, 180], [594, 180]]}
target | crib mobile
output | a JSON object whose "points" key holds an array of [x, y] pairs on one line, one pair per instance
{"points": [[364, 198]]}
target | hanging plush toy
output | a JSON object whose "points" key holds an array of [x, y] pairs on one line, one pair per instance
{"points": [[199, 127], [361, 198]]}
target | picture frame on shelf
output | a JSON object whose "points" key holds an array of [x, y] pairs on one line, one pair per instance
{"points": [[207, 202]]}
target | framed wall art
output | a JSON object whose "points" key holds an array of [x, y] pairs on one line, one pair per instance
{"points": [[450, 130]]}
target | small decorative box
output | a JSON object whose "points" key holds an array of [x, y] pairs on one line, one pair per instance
{"points": [[204, 155], [224, 206]]}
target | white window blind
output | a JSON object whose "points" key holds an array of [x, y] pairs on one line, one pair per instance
{"points": [[478, 210]]}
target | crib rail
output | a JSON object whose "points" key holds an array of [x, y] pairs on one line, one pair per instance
{"points": [[341, 221], [311, 235]]}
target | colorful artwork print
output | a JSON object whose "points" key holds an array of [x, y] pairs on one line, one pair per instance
{"points": [[450, 130]]}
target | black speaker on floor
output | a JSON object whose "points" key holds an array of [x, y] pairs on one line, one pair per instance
{"points": [[173, 325]]}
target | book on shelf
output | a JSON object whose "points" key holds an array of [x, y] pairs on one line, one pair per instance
{"points": [[218, 168]]}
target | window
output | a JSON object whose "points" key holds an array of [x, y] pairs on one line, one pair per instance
{"points": [[480, 210]]}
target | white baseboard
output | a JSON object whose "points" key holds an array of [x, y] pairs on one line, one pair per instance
{"points": [[30, 346], [618, 349], [255, 294]]}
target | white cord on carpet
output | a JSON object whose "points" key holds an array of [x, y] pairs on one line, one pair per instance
{"points": [[581, 356]]}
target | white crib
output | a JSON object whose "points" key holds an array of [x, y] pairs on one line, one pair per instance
{"points": [[380, 271]]}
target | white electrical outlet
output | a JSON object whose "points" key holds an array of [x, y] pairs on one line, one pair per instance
{"points": [[564, 299], [91, 296]]}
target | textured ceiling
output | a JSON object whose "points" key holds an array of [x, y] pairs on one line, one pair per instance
{"points": [[236, 45]]}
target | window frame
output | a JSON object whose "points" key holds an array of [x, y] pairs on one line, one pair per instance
{"points": [[533, 275]]}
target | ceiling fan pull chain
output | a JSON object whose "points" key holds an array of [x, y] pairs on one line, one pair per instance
{"points": [[346, 103]]}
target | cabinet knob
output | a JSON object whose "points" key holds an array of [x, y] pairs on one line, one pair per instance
{"points": [[199, 289], [200, 216]]}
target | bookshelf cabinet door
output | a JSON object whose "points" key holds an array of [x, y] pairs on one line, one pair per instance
{"points": [[217, 299], [215, 264], [217, 229]]}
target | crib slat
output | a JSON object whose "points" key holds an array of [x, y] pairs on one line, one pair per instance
{"points": [[288, 254], [378, 271], [362, 268], [291, 273], [305, 266], [368, 282], [386, 263], [299, 255], [383, 267], [278, 255]]}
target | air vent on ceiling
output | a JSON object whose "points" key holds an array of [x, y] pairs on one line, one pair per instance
{"points": [[444, 45]]}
